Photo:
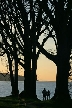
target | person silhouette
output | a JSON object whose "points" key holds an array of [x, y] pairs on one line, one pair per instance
{"points": [[44, 94], [48, 94]]}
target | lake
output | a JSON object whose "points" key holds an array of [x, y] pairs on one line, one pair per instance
{"points": [[5, 88]]}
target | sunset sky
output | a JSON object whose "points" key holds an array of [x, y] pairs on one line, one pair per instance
{"points": [[46, 69]]}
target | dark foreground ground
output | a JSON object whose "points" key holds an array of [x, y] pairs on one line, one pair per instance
{"points": [[12, 102]]}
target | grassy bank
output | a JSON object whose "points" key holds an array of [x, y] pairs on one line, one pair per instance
{"points": [[10, 102]]}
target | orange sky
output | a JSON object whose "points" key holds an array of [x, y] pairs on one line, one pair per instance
{"points": [[46, 69]]}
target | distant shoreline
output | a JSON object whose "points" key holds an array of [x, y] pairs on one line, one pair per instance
{"points": [[6, 77], [36, 81]]}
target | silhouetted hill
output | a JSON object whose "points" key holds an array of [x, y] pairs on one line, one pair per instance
{"points": [[4, 77]]}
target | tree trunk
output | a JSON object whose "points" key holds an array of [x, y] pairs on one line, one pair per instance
{"points": [[34, 60], [27, 72], [33, 72], [11, 75], [16, 77], [63, 67], [30, 55]]}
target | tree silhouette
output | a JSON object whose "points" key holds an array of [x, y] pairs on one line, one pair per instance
{"points": [[22, 23], [14, 80], [60, 16], [17, 22]]}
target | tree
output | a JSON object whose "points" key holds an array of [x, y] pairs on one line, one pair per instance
{"points": [[14, 79], [17, 22], [9, 46], [60, 16]]}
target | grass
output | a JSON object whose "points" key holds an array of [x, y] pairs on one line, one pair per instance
{"points": [[10, 102]]}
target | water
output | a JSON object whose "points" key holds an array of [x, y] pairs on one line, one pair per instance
{"points": [[45, 84], [5, 88]]}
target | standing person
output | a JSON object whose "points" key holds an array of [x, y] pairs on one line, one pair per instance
{"points": [[44, 94], [48, 94]]}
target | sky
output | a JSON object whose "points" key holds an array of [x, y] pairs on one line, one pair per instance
{"points": [[46, 69]]}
